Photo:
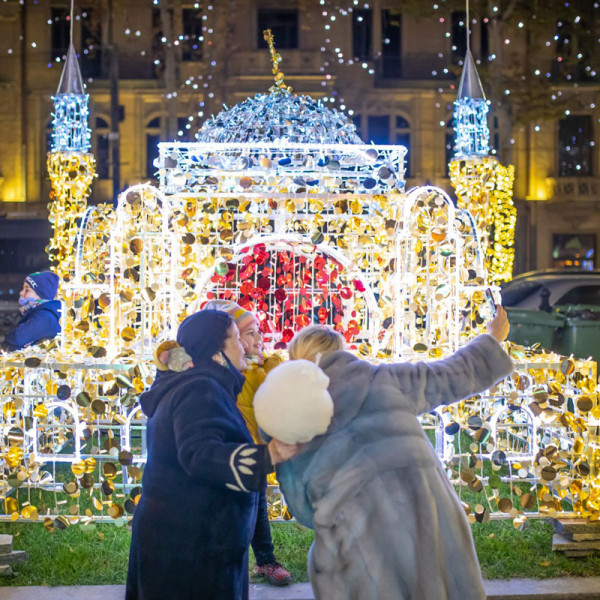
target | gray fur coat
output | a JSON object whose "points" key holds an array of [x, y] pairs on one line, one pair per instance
{"points": [[388, 524]]}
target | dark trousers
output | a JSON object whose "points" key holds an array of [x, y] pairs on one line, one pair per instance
{"points": [[262, 544]]}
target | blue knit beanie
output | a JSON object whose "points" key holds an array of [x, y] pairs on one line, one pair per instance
{"points": [[204, 333], [44, 284]]}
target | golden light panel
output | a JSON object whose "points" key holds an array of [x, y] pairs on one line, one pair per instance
{"points": [[484, 187]]}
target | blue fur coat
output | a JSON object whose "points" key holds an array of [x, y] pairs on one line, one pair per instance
{"points": [[388, 524]]}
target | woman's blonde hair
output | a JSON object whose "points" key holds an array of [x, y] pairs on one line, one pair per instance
{"points": [[314, 340]]}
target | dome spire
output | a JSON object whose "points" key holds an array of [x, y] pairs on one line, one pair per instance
{"points": [[279, 86], [279, 117]]}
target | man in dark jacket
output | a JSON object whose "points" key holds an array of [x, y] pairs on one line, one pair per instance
{"points": [[40, 310]]}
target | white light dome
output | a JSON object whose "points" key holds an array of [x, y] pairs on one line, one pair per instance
{"points": [[279, 116]]}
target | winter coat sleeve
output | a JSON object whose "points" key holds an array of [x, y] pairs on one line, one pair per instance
{"points": [[245, 401], [254, 375], [471, 370], [289, 476], [201, 425], [294, 491], [41, 325]]}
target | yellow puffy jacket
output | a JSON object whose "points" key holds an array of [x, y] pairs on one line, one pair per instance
{"points": [[255, 375]]}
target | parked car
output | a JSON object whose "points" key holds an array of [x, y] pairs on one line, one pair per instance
{"points": [[564, 287], [560, 310]]}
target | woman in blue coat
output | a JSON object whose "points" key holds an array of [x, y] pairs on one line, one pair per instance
{"points": [[388, 524], [193, 525], [40, 312]]}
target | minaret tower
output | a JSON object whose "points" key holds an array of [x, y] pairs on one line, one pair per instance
{"points": [[483, 186], [470, 114], [70, 165]]}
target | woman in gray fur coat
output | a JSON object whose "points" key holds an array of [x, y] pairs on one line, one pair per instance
{"points": [[388, 524]]}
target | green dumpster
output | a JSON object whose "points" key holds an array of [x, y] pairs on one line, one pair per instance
{"points": [[581, 334], [532, 326]]}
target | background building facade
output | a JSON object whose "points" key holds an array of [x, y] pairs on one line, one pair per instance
{"points": [[155, 69]]}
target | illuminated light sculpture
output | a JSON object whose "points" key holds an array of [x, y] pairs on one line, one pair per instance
{"points": [[70, 165], [70, 122], [470, 114], [300, 226], [483, 186]]}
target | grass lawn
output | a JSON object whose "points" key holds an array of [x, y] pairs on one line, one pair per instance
{"points": [[99, 556]]}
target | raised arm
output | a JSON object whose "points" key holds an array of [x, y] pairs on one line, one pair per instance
{"points": [[471, 370]]}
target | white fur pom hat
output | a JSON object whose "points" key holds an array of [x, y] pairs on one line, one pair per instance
{"points": [[293, 404]]}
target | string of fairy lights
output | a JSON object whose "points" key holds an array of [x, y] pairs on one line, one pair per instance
{"points": [[336, 17], [570, 23], [354, 233], [315, 228], [568, 48]]}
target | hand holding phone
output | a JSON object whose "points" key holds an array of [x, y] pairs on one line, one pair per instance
{"points": [[499, 326], [489, 296]]}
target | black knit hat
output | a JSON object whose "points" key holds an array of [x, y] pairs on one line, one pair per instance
{"points": [[204, 333]]}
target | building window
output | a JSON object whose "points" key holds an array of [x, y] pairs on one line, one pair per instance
{"points": [[378, 129], [450, 136], [60, 31], [391, 44], [494, 134], [152, 140], [91, 43], [575, 47], [362, 34], [575, 144], [282, 23], [102, 148], [485, 40], [573, 250], [357, 120], [153, 135], [22, 255], [158, 48], [459, 35], [9, 257], [192, 34], [403, 139], [184, 129], [564, 40]]}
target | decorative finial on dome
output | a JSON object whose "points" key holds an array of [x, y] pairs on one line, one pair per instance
{"points": [[279, 86], [279, 117]]}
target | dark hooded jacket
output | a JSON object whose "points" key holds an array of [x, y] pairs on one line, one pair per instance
{"points": [[193, 525], [39, 323]]}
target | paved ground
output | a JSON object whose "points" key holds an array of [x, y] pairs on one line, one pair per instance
{"points": [[575, 588]]}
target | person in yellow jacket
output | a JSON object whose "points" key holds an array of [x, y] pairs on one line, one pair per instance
{"points": [[258, 367], [169, 356]]}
